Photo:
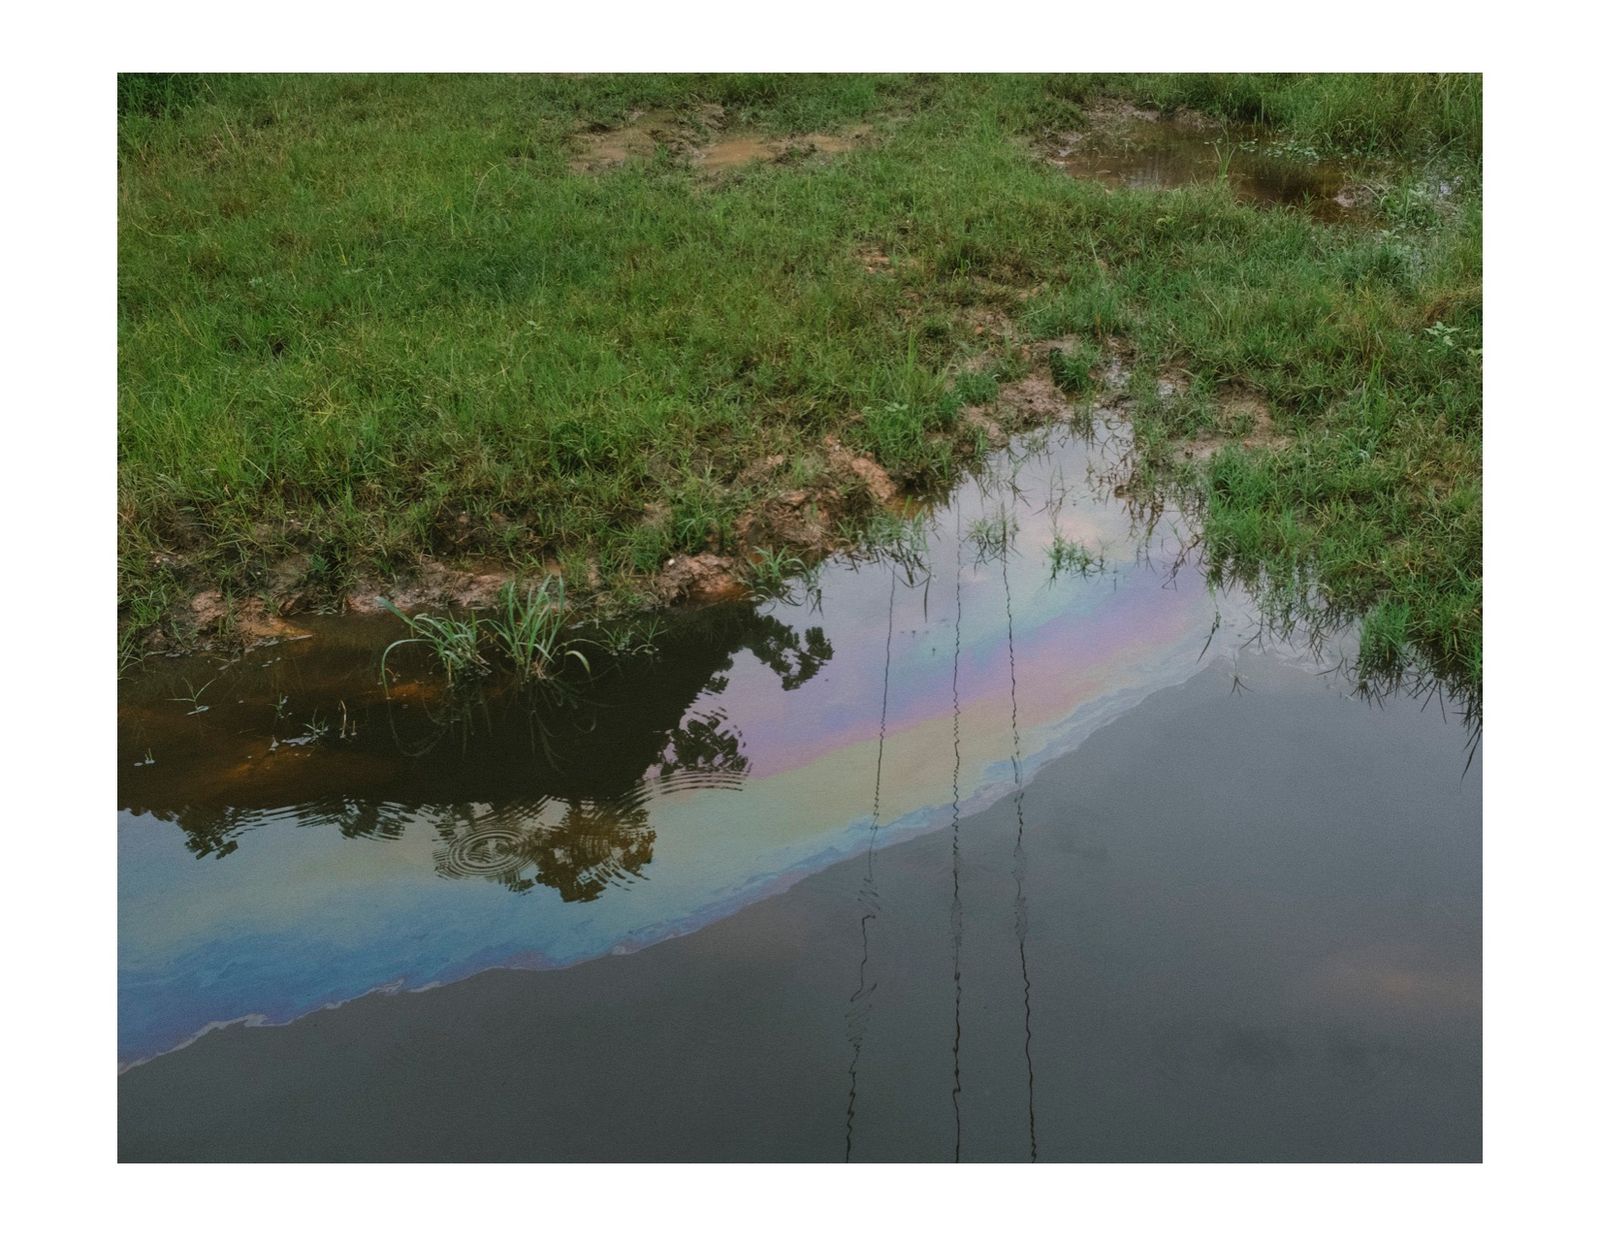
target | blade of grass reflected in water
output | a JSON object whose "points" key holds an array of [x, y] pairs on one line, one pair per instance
{"points": [[1019, 859], [955, 835], [868, 897]]}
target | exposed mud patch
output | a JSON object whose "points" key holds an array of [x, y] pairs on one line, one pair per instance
{"points": [[797, 520], [987, 321], [865, 470], [604, 147], [806, 520], [1033, 400], [433, 584], [977, 418], [249, 623], [743, 148], [700, 139], [704, 578], [876, 262], [1244, 419]]}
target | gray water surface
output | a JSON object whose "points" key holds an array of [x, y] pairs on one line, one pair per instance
{"points": [[1241, 921]]}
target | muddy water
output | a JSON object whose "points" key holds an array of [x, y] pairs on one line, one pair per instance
{"points": [[1161, 894], [1169, 153]]}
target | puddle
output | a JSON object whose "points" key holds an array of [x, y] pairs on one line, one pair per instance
{"points": [[1139, 150], [303, 841], [1182, 941]]}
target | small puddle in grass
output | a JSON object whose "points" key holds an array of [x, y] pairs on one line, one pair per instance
{"points": [[1142, 151]]}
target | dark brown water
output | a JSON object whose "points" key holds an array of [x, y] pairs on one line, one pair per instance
{"points": [[1167, 153], [948, 855]]}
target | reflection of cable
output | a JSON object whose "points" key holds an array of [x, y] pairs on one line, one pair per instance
{"points": [[1018, 864], [955, 835], [869, 893]]}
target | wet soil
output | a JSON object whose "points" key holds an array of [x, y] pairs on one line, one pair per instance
{"points": [[703, 141]]}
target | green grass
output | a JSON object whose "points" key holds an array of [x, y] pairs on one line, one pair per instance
{"points": [[1073, 371], [992, 534], [456, 644], [367, 321], [1067, 557], [1415, 114], [528, 629], [769, 570]]}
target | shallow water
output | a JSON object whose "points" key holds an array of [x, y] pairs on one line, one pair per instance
{"points": [[290, 841], [1170, 153]]}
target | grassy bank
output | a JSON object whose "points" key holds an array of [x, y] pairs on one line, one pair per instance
{"points": [[367, 322]]}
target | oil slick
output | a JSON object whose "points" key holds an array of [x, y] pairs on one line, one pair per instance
{"points": [[793, 746]]}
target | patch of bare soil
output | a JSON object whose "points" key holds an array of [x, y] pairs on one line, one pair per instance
{"points": [[865, 470], [980, 420], [433, 584], [806, 520], [799, 519], [701, 140], [603, 147], [739, 149], [1033, 400], [986, 321], [702, 578], [876, 262], [1244, 419], [250, 623]]}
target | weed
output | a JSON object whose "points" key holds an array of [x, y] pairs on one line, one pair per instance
{"points": [[769, 572], [1074, 371], [193, 698], [638, 637], [902, 539], [1072, 558], [992, 534], [454, 642], [528, 629]]}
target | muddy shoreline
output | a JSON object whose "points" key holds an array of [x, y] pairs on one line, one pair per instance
{"points": [[808, 524]]}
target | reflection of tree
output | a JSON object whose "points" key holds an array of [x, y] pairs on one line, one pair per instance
{"points": [[590, 846], [211, 831], [706, 749], [776, 646], [567, 774], [358, 817], [214, 831], [594, 842]]}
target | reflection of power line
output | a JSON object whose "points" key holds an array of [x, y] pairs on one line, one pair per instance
{"points": [[869, 893], [955, 835], [1018, 865]]}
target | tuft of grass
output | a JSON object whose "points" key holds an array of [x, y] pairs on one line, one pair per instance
{"points": [[992, 534], [636, 637], [1409, 114], [769, 571], [1074, 371], [903, 539], [528, 629], [456, 643], [1066, 557]]}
